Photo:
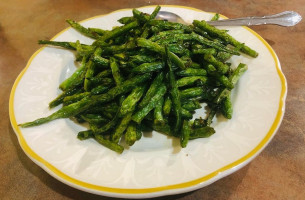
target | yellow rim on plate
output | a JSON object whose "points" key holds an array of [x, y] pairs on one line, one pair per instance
{"points": [[58, 174]]}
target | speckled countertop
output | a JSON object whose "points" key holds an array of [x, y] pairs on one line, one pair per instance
{"points": [[277, 173]]}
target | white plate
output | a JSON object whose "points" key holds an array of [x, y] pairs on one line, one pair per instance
{"points": [[155, 165]]}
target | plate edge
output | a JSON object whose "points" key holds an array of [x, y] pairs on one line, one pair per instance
{"points": [[156, 191]]}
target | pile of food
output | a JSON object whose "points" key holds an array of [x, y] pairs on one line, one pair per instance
{"points": [[148, 74]]}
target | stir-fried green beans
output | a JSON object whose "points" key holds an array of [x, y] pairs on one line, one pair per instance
{"points": [[148, 73]]}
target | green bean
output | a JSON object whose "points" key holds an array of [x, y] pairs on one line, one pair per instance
{"points": [[109, 144], [76, 97], [211, 69], [166, 129], [104, 108], [178, 49], [106, 127], [167, 106], [221, 67], [203, 132], [100, 89], [166, 25], [156, 48], [158, 115], [240, 70], [140, 16], [94, 118], [101, 81], [66, 45], [225, 81], [199, 123], [96, 58], [116, 32], [89, 74], [126, 20], [202, 33], [177, 38], [141, 113], [108, 110], [186, 114], [226, 108], [155, 12], [204, 51], [138, 131], [215, 17], [81, 29], [186, 60], [98, 31], [209, 94], [174, 93], [152, 90], [76, 78], [59, 99], [190, 80], [191, 105], [69, 45], [129, 104], [121, 128], [192, 72], [191, 93], [83, 135], [225, 36], [195, 65], [132, 134], [64, 112], [121, 56], [83, 50], [146, 26], [125, 87], [116, 71], [142, 58], [148, 67], [223, 93], [115, 49], [223, 56], [165, 34], [213, 44]]}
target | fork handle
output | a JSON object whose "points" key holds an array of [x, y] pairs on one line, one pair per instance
{"points": [[286, 18]]}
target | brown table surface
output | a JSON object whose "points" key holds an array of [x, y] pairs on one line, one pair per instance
{"points": [[277, 173]]}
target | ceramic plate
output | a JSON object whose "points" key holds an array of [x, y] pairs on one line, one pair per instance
{"points": [[155, 165]]}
